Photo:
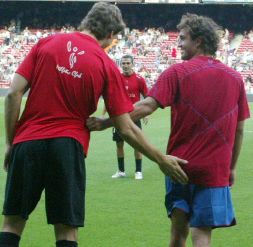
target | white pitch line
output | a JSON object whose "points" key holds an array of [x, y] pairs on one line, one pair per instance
{"points": [[249, 131]]}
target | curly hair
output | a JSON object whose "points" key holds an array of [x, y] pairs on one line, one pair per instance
{"points": [[102, 20], [202, 27]]}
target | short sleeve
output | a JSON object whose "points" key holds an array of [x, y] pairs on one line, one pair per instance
{"points": [[26, 68], [243, 107], [165, 89]]}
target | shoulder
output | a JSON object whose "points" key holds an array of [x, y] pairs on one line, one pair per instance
{"points": [[49, 38], [231, 71], [140, 78], [172, 71], [52, 40], [229, 74], [109, 65]]}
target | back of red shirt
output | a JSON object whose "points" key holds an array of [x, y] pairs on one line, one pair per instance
{"points": [[67, 74], [207, 100]]}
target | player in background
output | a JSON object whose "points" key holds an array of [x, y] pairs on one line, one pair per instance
{"points": [[136, 88]]}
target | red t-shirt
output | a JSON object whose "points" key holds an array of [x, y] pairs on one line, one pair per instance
{"points": [[135, 86], [67, 73], [207, 99]]}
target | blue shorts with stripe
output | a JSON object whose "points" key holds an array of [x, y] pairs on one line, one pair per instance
{"points": [[205, 206]]}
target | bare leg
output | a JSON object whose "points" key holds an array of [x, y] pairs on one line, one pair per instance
{"points": [[65, 232], [201, 236], [13, 224], [179, 228], [120, 149], [137, 155]]}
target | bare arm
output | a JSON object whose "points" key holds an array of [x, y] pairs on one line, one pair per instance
{"points": [[236, 150], [142, 109], [146, 118], [13, 100], [169, 165]]}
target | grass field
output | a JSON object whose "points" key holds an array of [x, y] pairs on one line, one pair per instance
{"points": [[130, 213]]}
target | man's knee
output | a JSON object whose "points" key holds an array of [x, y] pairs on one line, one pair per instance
{"points": [[120, 149], [179, 220], [137, 154], [65, 232], [14, 224], [201, 236], [178, 236], [120, 145], [179, 227]]}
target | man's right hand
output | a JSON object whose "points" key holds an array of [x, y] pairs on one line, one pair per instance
{"points": [[7, 157], [232, 177], [95, 124], [171, 166]]}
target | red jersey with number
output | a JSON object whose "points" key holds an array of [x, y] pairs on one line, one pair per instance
{"points": [[207, 100], [135, 86], [67, 73]]}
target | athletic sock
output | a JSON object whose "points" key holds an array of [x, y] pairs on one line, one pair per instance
{"points": [[121, 164], [138, 163], [66, 243], [8, 239]]}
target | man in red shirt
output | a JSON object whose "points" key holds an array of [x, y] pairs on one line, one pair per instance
{"points": [[208, 108], [135, 86], [45, 148]]}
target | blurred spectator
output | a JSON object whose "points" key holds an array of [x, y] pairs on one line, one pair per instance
{"points": [[153, 49]]}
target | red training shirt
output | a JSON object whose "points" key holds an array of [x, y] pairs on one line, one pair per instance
{"points": [[207, 99], [67, 73], [135, 86]]}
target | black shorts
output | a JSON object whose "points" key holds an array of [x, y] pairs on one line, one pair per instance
{"points": [[116, 135], [56, 165]]}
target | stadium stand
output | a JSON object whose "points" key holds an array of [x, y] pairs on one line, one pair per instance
{"points": [[154, 49]]}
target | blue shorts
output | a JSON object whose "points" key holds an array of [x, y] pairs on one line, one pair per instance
{"points": [[205, 206]]}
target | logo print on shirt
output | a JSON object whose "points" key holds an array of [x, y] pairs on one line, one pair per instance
{"points": [[72, 60], [73, 55]]}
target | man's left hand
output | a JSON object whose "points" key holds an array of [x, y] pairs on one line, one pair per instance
{"points": [[7, 157], [232, 177], [95, 124]]}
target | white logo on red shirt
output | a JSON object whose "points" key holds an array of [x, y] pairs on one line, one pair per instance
{"points": [[73, 55], [72, 60]]}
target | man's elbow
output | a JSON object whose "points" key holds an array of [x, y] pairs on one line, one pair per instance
{"points": [[148, 111], [11, 95], [240, 128], [141, 112], [239, 131], [126, 131]]}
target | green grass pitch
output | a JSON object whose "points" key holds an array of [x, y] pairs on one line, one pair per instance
{"points": [[130, 213]]}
